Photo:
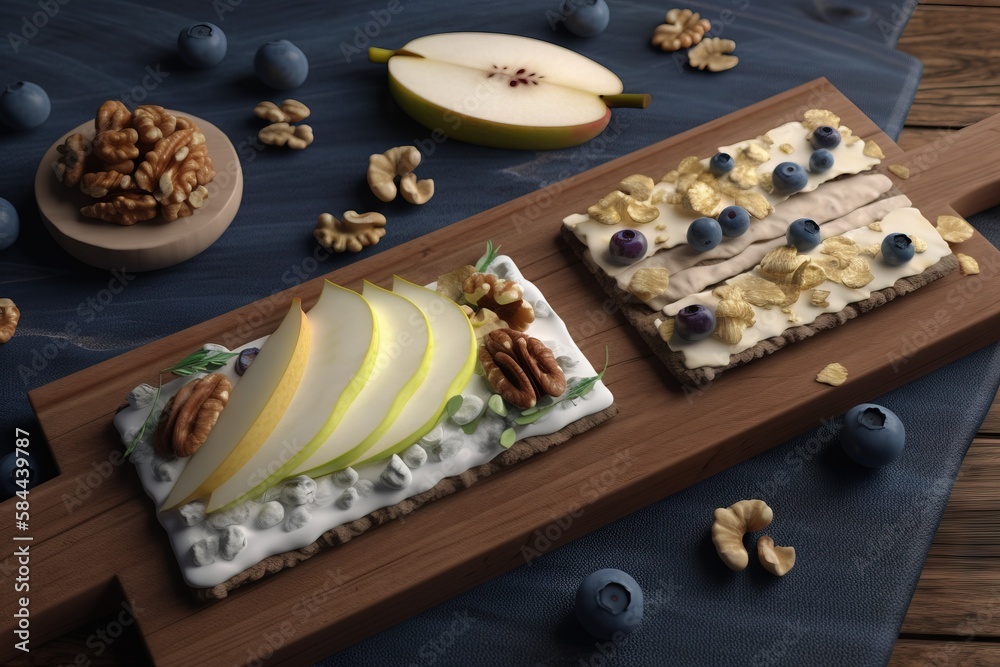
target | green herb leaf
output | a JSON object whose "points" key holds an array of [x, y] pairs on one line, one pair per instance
{"points": [[507, 438], [454, 404], [580, 388], [201, 361], [487, 259], [496, 404], [471, 427]]}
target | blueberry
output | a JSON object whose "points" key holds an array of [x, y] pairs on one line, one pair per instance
{"points": [[245, 359], [586, 18], [609, 602], [694, 322], [821, 160], [734, 221], [825, 137], [721, 163], [10, 224], [627, 246], [872, 435], [803, 234], [704, 234], [897, 249], [24, 105], [281, 65], [789, 177], [202, 45]]}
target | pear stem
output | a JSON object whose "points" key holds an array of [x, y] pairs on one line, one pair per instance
{"points": [[627, 100], [379, 55]]}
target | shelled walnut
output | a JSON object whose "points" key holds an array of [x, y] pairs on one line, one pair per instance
{"points": [[190, 415], [520, 368], [139, 165], [681, 28], [503, 297], [9, 316]]}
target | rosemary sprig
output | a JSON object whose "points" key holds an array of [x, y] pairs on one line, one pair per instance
{"points": [[202, 361], [487, 259]]}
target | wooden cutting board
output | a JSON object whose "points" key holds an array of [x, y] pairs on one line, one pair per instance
{"points": [[96, 543]]}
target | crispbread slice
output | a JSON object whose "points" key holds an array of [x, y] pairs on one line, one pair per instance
{"points": [[642, 317]]}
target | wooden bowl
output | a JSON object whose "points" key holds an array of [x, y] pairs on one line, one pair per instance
{"points": [[148, 245]]}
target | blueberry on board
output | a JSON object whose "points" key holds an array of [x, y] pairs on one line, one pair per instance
{"points": [[803, 234], [10, 224], [694, 322], [627, 246], [897, 249], [704, 234], [734, 221], [586, 18], [789, 177]]}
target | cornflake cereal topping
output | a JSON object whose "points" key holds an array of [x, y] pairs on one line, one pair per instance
{"points": [[760, 292], [834, 375], [647, 284], [819, 298], [787, 149], [744, 176], [754, 204], [703, 199], [814, 118], [873, 150], [875, 226], [919, 245], [967, 265], [756, 153], [874, 249], [666, 329], [954, 229], [732, 315], [900, 170]]}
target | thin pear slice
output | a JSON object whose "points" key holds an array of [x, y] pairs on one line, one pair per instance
{"points": [[404, 360], [345, 346], [255, 406], [452, 365], [507, 54]]}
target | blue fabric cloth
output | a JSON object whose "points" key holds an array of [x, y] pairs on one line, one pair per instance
{"points": [[74, 316]]}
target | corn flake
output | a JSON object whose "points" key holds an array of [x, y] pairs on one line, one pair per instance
{"points": [[818, 298], [814, 118], [647, 284], [967, 265], [874, 249], [857, 274], [756, 153], [670, 176], [901, 170], [787, 149], [690, 165], [781, 261], [703, 199], [873, 150], [919, 245], [875, 226], [759, 291], [833, 374], [954, 229], [744, 176], [666, 329], [840, 247], [755, 204]]}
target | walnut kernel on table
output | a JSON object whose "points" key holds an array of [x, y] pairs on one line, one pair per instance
{"points": [[398, 162], [682, 28], [354, 232], [9, 317], [139, 165]]}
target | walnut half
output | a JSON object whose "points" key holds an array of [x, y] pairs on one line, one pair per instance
{"points": [[520, 368], [9, 316], [191, 414]]}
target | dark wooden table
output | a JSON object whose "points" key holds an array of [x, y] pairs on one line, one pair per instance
{"points": [[954, 617]]}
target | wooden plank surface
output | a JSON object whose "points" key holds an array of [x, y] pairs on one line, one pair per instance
{"points": [[178, 630], [953, 617]]}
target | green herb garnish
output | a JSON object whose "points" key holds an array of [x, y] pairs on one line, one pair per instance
{"points": [[487, 259], [202, 361], [580, 388]]}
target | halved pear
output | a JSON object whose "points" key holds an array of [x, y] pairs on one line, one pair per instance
{"points": [[345, 346], [404, 360], [255, 407], [503, 90], [453, 362]]}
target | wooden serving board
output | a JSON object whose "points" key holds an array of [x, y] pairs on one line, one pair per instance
{"points": [[97, 544]]}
